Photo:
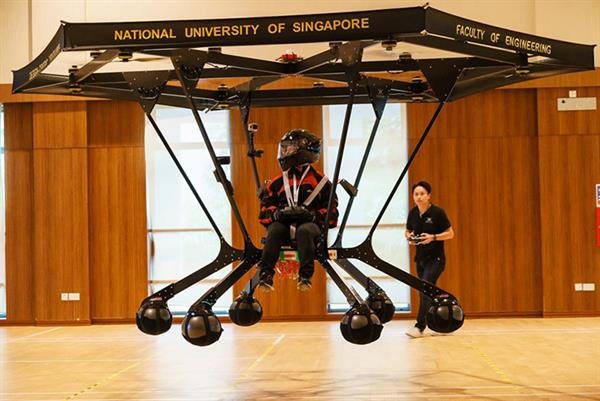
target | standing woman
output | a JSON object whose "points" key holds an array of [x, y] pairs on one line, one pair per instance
{"points": [[427, 227]]}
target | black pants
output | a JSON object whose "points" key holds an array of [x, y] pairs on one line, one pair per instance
{"points": [[278, 234], [429, 270]]}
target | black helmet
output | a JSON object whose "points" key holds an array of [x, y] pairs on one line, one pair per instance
{"points": [[298, 146]]}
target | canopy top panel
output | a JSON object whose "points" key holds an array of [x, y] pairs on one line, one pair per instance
{"points": [[416, 54]]}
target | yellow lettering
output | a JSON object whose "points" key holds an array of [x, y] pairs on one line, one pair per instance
{"points": [[226, 30], [192, 32], [330, 25], [470, 32], [529, 45]]}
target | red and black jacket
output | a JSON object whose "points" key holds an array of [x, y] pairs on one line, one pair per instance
{"points": [[273, 197]]}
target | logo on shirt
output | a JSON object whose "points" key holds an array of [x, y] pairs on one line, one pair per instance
{"points": [[428, 220]]}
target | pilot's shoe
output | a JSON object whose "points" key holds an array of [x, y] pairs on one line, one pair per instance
{"points": [[265, 281], [304, 284]]}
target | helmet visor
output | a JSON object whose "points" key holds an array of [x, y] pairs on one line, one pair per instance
{"points": [[287, 148]]}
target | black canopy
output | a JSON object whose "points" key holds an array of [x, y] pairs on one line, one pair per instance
{"points": [[489, 57]]}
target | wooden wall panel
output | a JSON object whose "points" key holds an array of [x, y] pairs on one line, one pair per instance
{"points": [[553, 122], [18, 126], [117, 207], [572, 80], [286, 301], [59, 125], [49, 250], [115, 123], [118, 253], [488, 188], [482, 164], [488, 114], [60, 234], [569, 165], [18, 133], [19, 243], [569, 171]]}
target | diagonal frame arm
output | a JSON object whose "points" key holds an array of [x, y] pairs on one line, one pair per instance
{"points": [[186, 83]]}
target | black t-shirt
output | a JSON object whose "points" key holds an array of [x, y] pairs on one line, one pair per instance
{"points": [[433, 221]]}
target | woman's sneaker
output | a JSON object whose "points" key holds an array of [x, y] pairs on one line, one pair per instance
{"points": [[414, 332]]}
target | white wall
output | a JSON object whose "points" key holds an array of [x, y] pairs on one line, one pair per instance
{"points": [[575, 20], [15, 39]]}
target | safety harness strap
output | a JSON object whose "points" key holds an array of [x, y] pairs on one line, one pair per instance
{"points": [[316, 191]]}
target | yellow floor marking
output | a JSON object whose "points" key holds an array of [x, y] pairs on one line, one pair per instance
{"points": [[103, 381], [260, 358], [490, 362]]}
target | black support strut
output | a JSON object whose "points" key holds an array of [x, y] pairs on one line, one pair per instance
{"points": [[188, 67], [351, 55], [185, 176], [405, 170], [378, 95]]}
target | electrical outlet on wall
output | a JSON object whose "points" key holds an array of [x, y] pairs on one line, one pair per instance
{"points": [[578, 287], [64, 296]]}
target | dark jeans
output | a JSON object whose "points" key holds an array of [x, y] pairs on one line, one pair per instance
{"points": [[429, 270], [279, 234]]}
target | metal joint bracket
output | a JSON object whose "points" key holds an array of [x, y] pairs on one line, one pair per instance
{"points": [[379, 91], [148, 86], [442, 76], [189, 64], [350, 55]]}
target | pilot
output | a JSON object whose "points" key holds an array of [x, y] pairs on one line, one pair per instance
{"points": [[293, 206]]}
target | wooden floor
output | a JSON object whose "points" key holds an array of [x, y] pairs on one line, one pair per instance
{"points": [[487, 359]]}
